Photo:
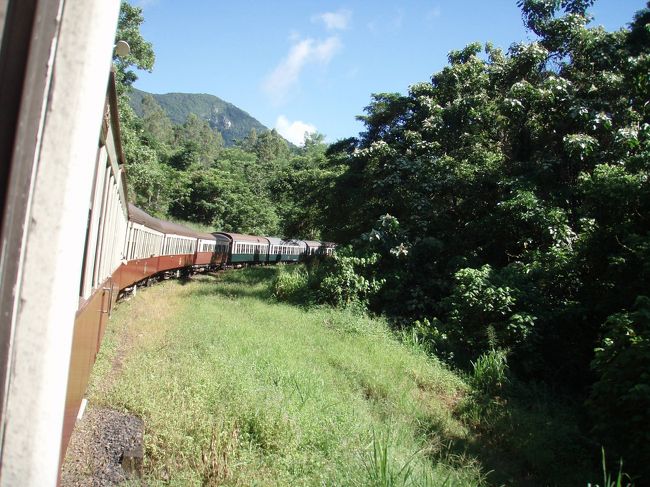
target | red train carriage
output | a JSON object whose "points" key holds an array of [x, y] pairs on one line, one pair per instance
{"points": [[212, 251]]}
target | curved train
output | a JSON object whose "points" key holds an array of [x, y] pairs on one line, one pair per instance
{"points": [[70, 242], [125, 246]]}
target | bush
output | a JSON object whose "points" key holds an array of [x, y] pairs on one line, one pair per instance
{"points": [[291, 285], [483, 312], [346, 284], [620, 398]]}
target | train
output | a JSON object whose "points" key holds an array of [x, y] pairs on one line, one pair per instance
{"points": [[125, 246], [70, 242]]}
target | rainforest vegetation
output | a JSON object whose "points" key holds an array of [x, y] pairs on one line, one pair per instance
{"points": [[498, 214]]}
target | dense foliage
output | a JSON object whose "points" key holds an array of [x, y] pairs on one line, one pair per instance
{"points": [[517, 212]]}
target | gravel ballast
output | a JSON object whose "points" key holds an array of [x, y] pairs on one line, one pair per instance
{"points": [[105, 449]]}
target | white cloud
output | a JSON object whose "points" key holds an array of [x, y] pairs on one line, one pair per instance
{"points": [[339, 20], [286, 74], [295, 131]]}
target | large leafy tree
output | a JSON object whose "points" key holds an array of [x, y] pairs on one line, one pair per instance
{"points": [[521, 183], [142, 55]]}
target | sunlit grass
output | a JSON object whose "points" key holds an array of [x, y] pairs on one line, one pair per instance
{"points": [[238, 389]]}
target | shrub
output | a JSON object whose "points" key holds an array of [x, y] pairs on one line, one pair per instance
{"points": [[483, 312], [346, 284], [291, 285], [490, 371], [620, 398]]}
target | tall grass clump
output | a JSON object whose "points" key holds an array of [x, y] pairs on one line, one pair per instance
{"points": [[620, 480], [291, 285], [489, 372], [382, 471]]}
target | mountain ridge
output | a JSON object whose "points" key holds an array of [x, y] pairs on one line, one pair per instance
{"points": [[231, 121]]}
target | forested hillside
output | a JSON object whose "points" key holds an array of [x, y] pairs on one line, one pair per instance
{"points": [[233, 123], [498, 214]]}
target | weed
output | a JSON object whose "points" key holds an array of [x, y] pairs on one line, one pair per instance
{"points": [[216, 461], [381, 469], [489, 372], [608, 481]]}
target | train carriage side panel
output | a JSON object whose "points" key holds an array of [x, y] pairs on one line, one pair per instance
{"points": [[100, 284], [246, 249], [51, 153], [212, 250]]}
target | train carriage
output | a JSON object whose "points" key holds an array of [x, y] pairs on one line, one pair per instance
{"points": [[179, 247], [246, 249], [212, 250], [313, 247], [284, 250], [143, 248]]}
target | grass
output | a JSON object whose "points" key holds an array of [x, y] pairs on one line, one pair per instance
{"points": [[238, 389]]}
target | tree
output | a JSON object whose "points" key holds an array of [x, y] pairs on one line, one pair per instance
{"points": [[270, 146], [156, 122], [200, 144], [141, 55], [520, 182]]}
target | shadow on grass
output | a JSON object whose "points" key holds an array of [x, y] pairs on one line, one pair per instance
{"points": [[251, 282], [184, 280], [520, 439]]}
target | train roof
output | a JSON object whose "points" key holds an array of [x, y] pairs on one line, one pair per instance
{"points": [[279, 241], [178, 229], [240, 237], [313, 243], [140, 216], [205, 236], [213, 236]]}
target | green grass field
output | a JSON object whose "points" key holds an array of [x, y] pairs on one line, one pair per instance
{"points": [[238, 389]]}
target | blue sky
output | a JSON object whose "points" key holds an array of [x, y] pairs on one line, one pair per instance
{"points": [[311, 65]]}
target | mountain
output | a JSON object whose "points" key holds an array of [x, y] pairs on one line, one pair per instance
{"points": [[233, 122]]}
